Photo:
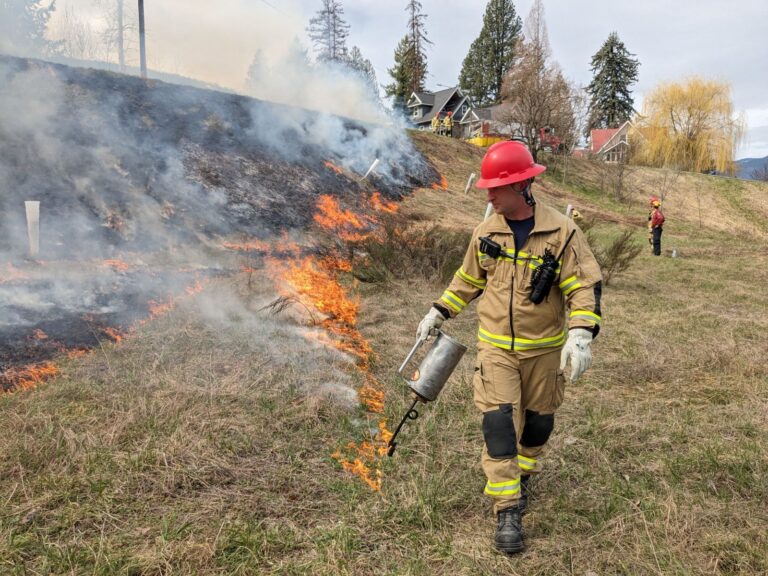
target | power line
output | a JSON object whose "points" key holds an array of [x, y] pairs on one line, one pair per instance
{"points": [[268, 3]]}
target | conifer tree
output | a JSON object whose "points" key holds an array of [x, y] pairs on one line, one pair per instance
{"points": [[614, 72], [409, 73], [329, 31], [491, 55], [416, 56], [399, 88], [363, 67]]}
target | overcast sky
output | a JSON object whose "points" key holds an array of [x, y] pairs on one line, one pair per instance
{"points": [[215, 41]]}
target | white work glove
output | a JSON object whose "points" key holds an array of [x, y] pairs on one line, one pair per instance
{"points": [[430, 323], [579, 351]]}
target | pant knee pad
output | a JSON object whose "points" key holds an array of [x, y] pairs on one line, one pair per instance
{"points": [[499, 432], [537, 429]]}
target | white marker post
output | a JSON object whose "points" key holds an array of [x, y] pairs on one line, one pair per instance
{"points": [[569, 210], [372, 168], [488, 211], [33, 226], [469, 182]]}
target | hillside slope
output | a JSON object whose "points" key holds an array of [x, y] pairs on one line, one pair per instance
{"points": [[204, 443], [144, 188]]}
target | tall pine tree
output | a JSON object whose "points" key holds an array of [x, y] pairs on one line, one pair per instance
{"points": [[364, 69], [399, 88], [614, 71], [409, 73], [329, 31], [417, 50], [491, 55]]}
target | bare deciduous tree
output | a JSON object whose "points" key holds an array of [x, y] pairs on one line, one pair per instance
{"points": [[78, 39], [536, 94], [119, 32]]}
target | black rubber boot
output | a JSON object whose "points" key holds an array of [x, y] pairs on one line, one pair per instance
{"points": [[509, 531], [523, 503]]}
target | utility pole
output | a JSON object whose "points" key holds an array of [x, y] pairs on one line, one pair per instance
{"points": [[142, 41], [120, 31]]}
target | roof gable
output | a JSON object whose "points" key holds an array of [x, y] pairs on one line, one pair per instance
{"points": [[421, 99], [599, 137]]}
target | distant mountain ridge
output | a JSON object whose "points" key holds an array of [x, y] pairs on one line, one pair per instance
{"points": [[749, 165]]}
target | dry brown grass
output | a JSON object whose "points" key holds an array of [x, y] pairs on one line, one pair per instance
{"points": [[202, 445]]}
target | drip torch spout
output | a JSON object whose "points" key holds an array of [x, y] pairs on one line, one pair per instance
{"points": [[411, 414]]}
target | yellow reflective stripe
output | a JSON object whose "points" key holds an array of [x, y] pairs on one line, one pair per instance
{"points": [[549, 342], [569, 285], [504, 342], [526, 463], [476, 282], [564, 283], [503, 488], [504, 256], [453, 301], [587, 315]]}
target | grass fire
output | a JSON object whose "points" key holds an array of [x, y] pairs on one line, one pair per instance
{"points": [[224, 303]]}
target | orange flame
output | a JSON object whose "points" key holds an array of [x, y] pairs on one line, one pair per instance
{"points": [[77, 353], [113, 334], [358, 467], [331, 166], [382, 205], [196, 288], [372, 399], [159, 308], [345, 223], [30, 376], [118, 265], [38, 334], [314, 280], [322, 290], [443, 184]]}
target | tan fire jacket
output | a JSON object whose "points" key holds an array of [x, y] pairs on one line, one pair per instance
{"points": [[508, 319]]}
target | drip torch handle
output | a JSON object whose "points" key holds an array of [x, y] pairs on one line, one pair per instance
{"points": [[410, 356]]}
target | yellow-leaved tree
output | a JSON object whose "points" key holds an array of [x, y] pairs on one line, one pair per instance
{"points": [[690, 126]]}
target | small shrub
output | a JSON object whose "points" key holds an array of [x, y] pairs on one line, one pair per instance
{"points": [[405, 250], [615, 257]]}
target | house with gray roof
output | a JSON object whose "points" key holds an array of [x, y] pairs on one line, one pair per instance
{"points": [[423, 106]]}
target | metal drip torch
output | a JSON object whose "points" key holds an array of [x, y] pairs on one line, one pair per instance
{"points": [[431, 376]]}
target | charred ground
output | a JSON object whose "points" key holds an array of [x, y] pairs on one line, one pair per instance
{"points": [[155, 177]]}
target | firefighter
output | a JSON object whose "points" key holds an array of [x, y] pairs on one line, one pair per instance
{"points": [[655, 225], [448, 124], [435, 123], [523, 347]]}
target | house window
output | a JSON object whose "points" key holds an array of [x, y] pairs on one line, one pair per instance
{"points": [[417, 112], [464, 109]]}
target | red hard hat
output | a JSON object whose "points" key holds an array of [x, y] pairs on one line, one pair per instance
{"points": [[654, 201], [506, 163]]}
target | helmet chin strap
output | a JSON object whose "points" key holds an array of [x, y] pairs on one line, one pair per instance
{"points": [[526, 194]]}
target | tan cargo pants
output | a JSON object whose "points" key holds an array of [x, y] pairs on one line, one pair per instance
{"points": [[518, 399]]}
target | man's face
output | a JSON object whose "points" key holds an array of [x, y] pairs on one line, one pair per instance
{"points": [[507, 199]]}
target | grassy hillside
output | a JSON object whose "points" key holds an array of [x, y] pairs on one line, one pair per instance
{"points": [[203, 443]]}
